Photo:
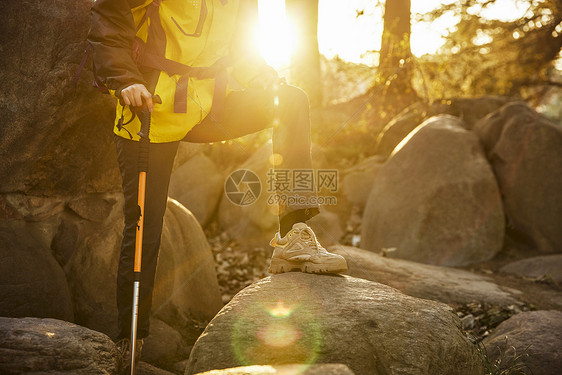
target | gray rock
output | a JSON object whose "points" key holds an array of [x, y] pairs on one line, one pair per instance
{"points": [[33, 208], [31, 281], [310, 369], [55, 138], [546, 268], [198, 186], [536, 337], [525, 150], [398, 128], [143, 368], [93, 207], [443, 208], [444, 284], [186, 288], [470, 110], [164, 346], [186, 151], [256, 223], [358, 180], [302, 318], [48, 346]]}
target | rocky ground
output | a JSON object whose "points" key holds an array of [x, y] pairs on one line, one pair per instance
{"points": [[237, 267]]}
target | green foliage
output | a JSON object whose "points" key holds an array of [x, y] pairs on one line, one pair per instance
{"points": [[509, 361], [488, 56]]}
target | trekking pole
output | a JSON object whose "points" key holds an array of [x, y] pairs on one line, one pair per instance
{"points": [[144, 142]]}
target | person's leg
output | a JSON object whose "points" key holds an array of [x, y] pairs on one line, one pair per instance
{"points": [[292, 142], [286, 109], [161, 158]]}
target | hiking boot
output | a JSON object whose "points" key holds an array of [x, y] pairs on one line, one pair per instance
{"points": [[300, 250], [124, 348]]}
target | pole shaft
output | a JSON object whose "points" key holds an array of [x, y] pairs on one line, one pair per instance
{"points": [[134, 319]]}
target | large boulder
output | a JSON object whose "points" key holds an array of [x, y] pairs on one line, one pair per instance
{"points": [[164, 346], [32, 283], [436, 200], [525, 150], [48, 346], [444, 284], [51, 130], [470, 110], [186, 288], [309, 319], [255, 223], [359, 179], [198, 186], [535, 337], [398, 128], [544, 268]]}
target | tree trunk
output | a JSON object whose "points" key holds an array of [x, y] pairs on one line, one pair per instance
{"points": [[395, 44], [398, 92], [305, 61]]}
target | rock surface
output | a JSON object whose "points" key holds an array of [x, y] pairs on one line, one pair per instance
{"points": [[359, 179], [470, 110], [302, 318], [49, 346], [144, 368], [186, 288], [32, 283], [164, 346], [198, 186], [398, 128], [525, 150], [444, 284], [253, 224], [319, 369], [443, 208], [51, 129], [537, 334], [545, 268]]}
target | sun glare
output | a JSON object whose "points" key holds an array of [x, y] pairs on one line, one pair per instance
{"points": [[352, 28], [276, 35]]}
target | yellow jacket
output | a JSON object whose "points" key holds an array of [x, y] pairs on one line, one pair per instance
{"points": [[195, 33]]}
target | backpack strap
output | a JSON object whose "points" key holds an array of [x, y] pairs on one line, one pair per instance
{"points": [[151, 57]]}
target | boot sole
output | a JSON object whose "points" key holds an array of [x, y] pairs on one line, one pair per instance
{"points": [[281, 266]]}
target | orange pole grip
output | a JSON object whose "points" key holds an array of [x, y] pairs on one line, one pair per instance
{"points": [[140, 223]]}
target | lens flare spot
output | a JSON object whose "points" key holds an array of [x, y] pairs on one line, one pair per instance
{"points": [[276, 159], [279, 335], [280, 310], [276, 101]]}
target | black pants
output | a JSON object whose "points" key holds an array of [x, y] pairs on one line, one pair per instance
{"points": [[244, 112]]}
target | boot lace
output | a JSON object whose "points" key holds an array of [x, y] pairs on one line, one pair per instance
{"points": [[308, 237]]}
